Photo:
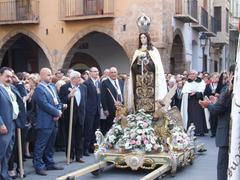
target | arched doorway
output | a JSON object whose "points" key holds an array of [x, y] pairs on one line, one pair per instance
{"points": [[178, 62], [100, 50], [82, 62], [23, 54]]}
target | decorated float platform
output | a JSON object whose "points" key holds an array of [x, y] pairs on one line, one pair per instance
{"points": [[163, 148], [151, 136]]}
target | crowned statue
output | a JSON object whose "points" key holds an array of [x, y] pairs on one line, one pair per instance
{"points": [[147, 81], [146, 125]]}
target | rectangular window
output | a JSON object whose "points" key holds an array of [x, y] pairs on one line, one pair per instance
{"points": [[218, 17]]}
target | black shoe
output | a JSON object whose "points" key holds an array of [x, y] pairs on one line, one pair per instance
{"points": [[91, 150], [28, 157], [18, 173], [86, 154], [41, 172], [55, 168], [213, 135]]}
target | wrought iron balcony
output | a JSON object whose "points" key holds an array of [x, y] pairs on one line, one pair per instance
{"points": [[86, 9], [186, 10], [202, 24], [19, 12]]}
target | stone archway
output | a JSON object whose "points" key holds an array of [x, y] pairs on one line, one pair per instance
{"points": [[178, 60], [102, 47], [66, 54], [13, 36], [83, 61]]}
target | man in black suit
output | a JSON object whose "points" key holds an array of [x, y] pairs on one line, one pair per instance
{"points": [[78, 91], [111, 91], [18, 90], [177, 98], [92, 120], [222, 108]]}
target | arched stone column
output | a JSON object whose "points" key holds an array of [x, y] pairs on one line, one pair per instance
{"points": [[10, 38]]}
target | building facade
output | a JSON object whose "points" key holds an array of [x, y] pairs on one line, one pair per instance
{"points": [[103, 33], [233, 29]]}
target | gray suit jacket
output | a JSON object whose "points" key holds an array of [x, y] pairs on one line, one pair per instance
{"points": [[6, 118], [222, 108]]}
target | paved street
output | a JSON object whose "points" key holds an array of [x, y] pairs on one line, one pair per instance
{"points": [[204, 167]]}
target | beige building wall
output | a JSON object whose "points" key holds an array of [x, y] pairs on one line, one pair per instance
{"points": [[56, 37]]}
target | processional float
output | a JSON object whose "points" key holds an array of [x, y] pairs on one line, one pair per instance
{"points": [[156, 142]]}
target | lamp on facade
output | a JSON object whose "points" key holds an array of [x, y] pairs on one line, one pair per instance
{"points": [[203, 42]]}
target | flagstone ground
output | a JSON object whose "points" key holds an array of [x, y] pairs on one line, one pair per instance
{"points": [[203, 168]]}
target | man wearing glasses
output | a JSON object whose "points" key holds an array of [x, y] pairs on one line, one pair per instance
{"points": [[92, 120]]}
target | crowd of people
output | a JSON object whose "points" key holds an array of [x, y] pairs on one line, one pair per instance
{"points": [[39, 104]]}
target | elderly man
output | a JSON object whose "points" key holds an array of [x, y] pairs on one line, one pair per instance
{"points": [[191, 111], [77, 90], [111, 91], [8, 114], [48, 114]]}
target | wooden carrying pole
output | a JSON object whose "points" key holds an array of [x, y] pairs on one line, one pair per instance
{"points": [[70, 131], [84, 171], [158, 172], [20, 158]]}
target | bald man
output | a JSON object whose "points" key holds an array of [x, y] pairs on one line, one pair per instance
{"points": [[48, 113]]}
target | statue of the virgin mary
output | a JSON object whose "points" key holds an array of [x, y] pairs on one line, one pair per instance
{"points": [[147, 81]]}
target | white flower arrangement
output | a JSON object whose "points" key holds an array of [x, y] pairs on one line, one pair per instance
{"points": [[113, 135], [140, 135], [179, 139]]}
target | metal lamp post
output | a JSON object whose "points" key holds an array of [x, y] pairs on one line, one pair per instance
{"points": [[203, 42]]}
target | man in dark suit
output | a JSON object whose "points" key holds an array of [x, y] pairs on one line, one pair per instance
{"points": [[48, 114], [8, 114], [92, 121], [222, 108], [111, 91], [78, 91], [20, 123], [177, 98]]}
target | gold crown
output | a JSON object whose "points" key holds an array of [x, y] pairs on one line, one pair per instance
{"points": [[143, 23]]}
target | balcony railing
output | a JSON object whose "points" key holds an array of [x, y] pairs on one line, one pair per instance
{"points": [[86, 9], [19, 12], [204, 17], [202, 24], [186, 10], [212, 30], [213, 25]]}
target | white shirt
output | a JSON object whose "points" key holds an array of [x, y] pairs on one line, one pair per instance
{"points": [[77, 94], [117, 87]]}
